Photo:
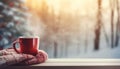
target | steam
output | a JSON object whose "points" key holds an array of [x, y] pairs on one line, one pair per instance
{"points": [[32, 27]]}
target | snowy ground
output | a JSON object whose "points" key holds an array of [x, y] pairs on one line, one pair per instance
{"points": [[104, 53]]}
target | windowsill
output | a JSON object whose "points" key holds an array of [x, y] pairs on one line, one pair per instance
{"points": [[72, 62], [80, 62]]}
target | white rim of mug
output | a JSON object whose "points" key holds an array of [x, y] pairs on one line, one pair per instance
{"points": [[29, 37]]}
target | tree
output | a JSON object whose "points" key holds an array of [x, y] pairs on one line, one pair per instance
{"points": [[55, 49], [98, 26], [118, 24], [112, 3], [12, 16], [86, 38]]}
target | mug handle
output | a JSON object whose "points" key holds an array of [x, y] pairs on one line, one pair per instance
{"points": [[14, 46]]}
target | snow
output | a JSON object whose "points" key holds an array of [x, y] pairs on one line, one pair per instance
{"points": [[103, 53]]}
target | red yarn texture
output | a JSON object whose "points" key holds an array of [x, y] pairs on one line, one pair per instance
{"points": [[10, 57]]}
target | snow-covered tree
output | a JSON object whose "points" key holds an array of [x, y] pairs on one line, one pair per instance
{"points": [[12, 20]]}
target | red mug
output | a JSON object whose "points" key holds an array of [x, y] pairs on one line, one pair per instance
{"points": [[28, 45]]}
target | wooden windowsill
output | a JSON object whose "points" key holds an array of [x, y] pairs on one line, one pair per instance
{"points": [[71, 62]]}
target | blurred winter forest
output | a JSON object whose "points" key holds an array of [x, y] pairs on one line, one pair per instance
{"points": [[75, 29]]}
